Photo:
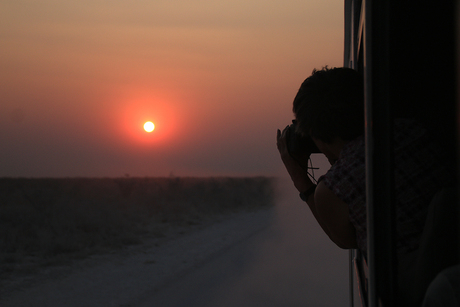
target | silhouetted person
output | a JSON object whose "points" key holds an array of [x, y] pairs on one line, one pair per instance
{"points": [[329, 109]]}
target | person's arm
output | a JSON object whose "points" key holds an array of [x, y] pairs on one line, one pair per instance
{"points": [[330, 212], [333, 215]]}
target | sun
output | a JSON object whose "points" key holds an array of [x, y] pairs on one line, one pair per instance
{"points": [[149, 126]]}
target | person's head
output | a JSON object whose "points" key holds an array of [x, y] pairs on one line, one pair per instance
{"points": [[330, 105]]}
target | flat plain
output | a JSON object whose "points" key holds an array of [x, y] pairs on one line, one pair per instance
{"points": [[49, 221]]}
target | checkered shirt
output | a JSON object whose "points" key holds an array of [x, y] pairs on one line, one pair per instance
{"points": [[420, 171]]}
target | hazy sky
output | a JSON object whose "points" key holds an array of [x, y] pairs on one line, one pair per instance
{"points": [[217, 77]]}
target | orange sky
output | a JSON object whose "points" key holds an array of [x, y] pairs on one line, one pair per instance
{"points": [[79, 78]]}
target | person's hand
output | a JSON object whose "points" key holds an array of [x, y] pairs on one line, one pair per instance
{"points": [[281, 143], [296, 171]]}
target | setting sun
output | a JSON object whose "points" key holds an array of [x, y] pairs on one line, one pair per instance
{"points": [[149, 126]]}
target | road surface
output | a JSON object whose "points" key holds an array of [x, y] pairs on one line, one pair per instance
{"points": [[276, 257]]}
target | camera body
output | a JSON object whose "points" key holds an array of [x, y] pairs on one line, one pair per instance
{"points": [[299, 145]]}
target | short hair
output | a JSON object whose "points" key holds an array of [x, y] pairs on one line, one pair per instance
{"points": [[330, 104]]}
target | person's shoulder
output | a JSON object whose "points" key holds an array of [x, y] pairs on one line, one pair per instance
{"points": [[353, 150]]}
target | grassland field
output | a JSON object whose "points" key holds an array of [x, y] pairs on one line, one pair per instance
{"points": [[47, 219]]}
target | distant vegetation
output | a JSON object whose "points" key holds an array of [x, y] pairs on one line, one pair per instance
{"points": [[49, 217]]}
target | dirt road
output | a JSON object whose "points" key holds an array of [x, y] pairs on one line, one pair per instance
{"points": [[276, 257]]}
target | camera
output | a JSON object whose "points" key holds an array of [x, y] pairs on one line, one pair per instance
{"points": [[299, 145]]}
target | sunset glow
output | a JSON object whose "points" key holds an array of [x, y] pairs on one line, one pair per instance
{"points": [[149, 126], [215, 78]]}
